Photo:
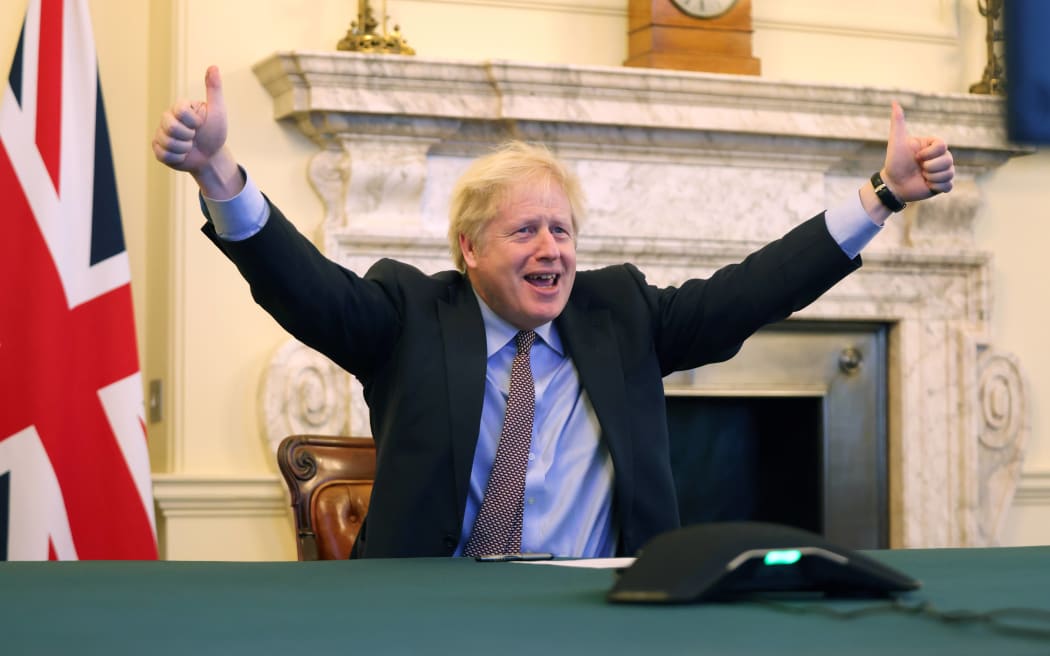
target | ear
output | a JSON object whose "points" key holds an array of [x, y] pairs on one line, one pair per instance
{"points": [[469, 250]]}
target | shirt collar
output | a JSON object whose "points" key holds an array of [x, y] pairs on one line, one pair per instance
{"points": [[498, 331]]}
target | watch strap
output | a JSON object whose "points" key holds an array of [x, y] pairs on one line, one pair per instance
{"points": [[886, 197]]}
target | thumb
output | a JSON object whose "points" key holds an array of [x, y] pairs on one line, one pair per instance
{"points": [[898, 127]]}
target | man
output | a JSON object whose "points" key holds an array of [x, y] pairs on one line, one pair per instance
{"points": [[516, 403]]}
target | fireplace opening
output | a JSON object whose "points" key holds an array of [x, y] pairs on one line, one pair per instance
{"points": [[756, 459], [792, 430]]}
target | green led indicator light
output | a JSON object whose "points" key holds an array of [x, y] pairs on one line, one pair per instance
{"points": [[783, 557]]}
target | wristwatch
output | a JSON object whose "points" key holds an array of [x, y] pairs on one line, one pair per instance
{"points": [[886, 197]]}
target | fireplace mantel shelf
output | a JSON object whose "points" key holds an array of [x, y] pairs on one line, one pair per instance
{"points": [[684, 172], [323, 89]]}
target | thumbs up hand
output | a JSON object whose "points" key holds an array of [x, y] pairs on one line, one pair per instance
{"points": [[916, 167], [191, 137]]}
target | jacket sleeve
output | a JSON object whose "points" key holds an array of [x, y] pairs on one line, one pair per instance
{"points": [[707, 320], [352, 320]]}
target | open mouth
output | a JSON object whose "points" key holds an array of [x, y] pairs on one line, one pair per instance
{"points": [[543, 279]]}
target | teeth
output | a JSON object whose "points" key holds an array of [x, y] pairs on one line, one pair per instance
{"points": [[543, 279]]}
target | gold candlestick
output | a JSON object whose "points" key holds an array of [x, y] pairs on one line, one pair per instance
{"points": [[362, 35], [994, 79]]}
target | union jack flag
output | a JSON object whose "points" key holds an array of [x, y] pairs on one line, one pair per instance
{"points": [[74, 469]]}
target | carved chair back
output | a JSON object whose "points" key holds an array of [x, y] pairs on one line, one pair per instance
{"points": [[330, 481]]}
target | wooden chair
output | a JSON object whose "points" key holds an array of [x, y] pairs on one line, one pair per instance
{"points": [[330, 480]]}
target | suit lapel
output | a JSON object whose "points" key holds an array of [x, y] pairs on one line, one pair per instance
{"points": [[591, 342], [463, 341]]}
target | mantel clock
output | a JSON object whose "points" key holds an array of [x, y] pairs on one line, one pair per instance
{"points": [[691, 35]]}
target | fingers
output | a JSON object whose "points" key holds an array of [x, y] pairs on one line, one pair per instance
{"points": [[180, 123], [169, 149], [930, 147], [939, 173], [169, 143], [942, 164], [174, 136], [934, 156], [187, 112], [166, 155]]}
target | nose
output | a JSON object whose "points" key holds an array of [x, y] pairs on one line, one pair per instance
{"points": [[547, 245]]}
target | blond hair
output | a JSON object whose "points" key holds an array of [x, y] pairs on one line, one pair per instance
{"points": [[483, 187]]}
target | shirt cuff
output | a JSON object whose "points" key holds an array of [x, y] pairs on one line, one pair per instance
{"points": [[850, 226], [240, 217]]}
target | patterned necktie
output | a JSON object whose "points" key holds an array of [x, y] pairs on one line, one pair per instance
{"points": [[497, 528]]}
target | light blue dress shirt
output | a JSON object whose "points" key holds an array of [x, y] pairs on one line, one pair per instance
{"points": [[569, 478]]}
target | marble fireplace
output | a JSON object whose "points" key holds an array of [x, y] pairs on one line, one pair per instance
{"points": [[684, 173]]}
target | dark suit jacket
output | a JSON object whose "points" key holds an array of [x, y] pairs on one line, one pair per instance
{"points": [[417, 344]]}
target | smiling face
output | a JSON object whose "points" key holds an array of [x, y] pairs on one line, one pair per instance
{"points": [[523, 263]]}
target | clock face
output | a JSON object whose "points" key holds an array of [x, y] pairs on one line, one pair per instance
{"points": [[704, 8]]}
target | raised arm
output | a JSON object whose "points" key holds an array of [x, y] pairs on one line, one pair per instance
{"points": [[348, 318], [192, 138]]}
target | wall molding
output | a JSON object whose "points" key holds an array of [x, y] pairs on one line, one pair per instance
{"points": [[190, 495], [1034, 489], [857, 32], [618, 9], [596, 7]]}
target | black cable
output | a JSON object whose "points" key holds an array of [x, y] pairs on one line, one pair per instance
{"points": [[1020, 621]]}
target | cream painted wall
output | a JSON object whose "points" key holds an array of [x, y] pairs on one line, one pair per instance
{"points": [[201, 334]]}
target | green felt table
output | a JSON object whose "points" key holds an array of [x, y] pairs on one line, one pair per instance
{"points": [[460, 606]]}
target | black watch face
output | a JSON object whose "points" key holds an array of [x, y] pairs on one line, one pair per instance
{"points": [[704, 8]]}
